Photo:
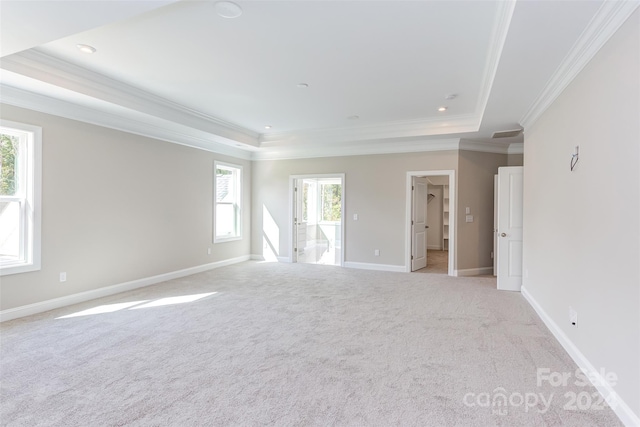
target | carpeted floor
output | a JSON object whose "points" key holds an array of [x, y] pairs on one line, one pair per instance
{"points": [[292, 344]]}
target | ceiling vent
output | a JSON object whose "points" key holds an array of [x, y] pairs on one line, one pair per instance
{"points": [[507, 133]]}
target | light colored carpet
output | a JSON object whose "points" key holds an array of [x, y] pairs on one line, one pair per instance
{"points": [[290, 344]]}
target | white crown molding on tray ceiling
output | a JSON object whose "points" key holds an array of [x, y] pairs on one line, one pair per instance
{"points": [[388, 146], [161, 130], [387, 130], [609, 17], [48, 69], [496, 45]]}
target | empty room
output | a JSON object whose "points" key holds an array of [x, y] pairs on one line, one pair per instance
{"points": [[349, 213]]}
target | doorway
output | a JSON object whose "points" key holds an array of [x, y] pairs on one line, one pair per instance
{"points": [[430, 222], [317, 219]]}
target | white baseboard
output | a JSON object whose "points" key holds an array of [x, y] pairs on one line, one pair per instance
{"points": [[434, 247], [618, 405], [378, 267], [473, 272], [41, 307]]}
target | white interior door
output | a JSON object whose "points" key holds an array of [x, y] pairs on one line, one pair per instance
{"points": [[510, 180], [419, 224]]}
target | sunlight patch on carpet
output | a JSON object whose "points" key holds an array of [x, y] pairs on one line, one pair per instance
{"points": [[134, 305]]}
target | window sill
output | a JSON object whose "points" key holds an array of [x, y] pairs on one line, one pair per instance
{"points": [[7, 268], [226, 239]]}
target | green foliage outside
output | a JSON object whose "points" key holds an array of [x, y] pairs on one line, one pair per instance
{"points": [[8, 155], [331, 202]]}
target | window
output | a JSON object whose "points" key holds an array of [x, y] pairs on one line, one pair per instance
{"points": [[228, 205], [20, 181]]}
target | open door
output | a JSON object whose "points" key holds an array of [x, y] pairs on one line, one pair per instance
{"points": [[509, 230], [318, 219], [419, 223]]}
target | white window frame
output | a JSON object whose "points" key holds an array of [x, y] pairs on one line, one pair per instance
{"points": [[237, 203], [29, 196]]}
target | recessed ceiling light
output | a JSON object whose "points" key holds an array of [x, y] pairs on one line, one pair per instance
{"points": [[442, 109], [267, 127], [451, 96], [354, 117], [227, 9], [302, 85], [85, 48]]}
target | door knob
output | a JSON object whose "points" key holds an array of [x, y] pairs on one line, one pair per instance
{"points": [[503, 235], [426, 226]]}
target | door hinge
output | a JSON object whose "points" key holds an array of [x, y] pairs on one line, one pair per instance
{"points": [[295, 249], [413, 188], [295, 188], [411, 256], [411, 222]]}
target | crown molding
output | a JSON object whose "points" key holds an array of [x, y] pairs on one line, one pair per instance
{"points": [[356, 148], [499, 33], [609, 17], [359, 148], [41, 66], [484, 147], [171, 132], [380, 131], [165, 131], [516, 148]]}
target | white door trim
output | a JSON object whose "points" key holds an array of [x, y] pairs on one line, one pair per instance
{"points": [[292, 210], [452, 216]]}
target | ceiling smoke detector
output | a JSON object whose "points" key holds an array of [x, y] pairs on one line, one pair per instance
{"points": [[227, 9], [507, 133], [85, 48]]}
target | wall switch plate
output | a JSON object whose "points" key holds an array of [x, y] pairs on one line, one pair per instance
{"points": [[469, 218], [208, 251], [63, 277], [376, 252], [573, 317], [467, 210], [355, 217]]}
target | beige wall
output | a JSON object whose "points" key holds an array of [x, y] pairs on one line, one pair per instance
{"points": [[515, 160], [375, 190], [581, 228], [475, 190], [118, 207]]}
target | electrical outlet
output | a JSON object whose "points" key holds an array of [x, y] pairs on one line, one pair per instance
{"points": [[573, 317], [208, 251], [63, 276], [376, 252], [355, 217]]}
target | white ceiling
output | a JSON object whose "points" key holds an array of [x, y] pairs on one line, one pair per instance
{"points": [[178, 71]]}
